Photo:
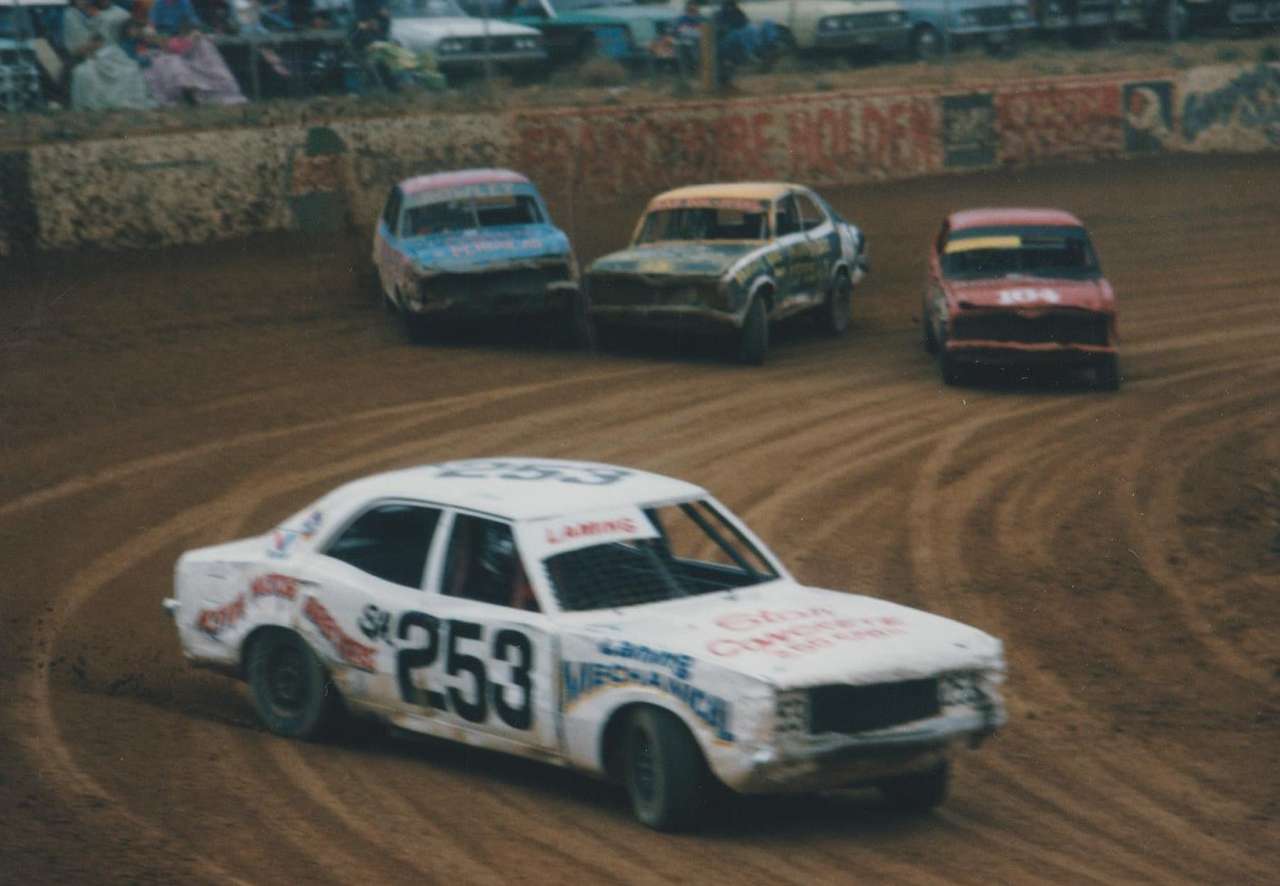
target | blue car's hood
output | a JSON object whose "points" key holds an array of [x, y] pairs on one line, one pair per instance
{"points": [[471, 250]]}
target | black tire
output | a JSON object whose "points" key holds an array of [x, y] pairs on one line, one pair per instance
{"points": [[753, 338], [837, 310], [919, 791], [664, 772], [292, 692], [1107, 373], [948, 366], [926, 43], [579, 329]]}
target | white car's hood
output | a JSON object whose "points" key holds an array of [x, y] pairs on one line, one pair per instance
{"points": [[425, 32], [789, 635]]}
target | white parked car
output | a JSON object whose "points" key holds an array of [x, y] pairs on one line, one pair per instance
{"points": [[461, 42], [836, 25], [598, 617]]}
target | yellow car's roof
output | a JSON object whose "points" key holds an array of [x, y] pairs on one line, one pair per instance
{"points": [[726, 191]]}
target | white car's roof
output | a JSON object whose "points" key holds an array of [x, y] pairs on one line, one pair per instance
{"points": [[519, 487]]}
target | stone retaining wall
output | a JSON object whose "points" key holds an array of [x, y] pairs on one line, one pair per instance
{"points": [[194, 187]]}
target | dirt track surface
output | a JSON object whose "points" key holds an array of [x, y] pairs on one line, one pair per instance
{"points": [[1125, 546]]}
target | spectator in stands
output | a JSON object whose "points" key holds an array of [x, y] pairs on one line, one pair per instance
{"points": [[735, 38], [688, 36], [739, 42], [184, 63], [103, 76], [378, 14], [301, 13], [174, 17], [216, 14]]}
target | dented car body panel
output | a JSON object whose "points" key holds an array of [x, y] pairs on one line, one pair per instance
{"points": [[783, 687], [476, 243], [700, 255]]}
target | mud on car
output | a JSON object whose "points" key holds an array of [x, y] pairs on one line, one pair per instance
{"points": [[731, 259], [592, 616], [1018, 287], [476, 245]]}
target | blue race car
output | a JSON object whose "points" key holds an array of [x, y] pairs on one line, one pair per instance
{"points": [[476, 244]]}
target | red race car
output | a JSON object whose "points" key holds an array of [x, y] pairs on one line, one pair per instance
{"points": [[1018, 287]]}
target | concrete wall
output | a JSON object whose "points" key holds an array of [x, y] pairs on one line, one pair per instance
{"points": [[194, 187]]}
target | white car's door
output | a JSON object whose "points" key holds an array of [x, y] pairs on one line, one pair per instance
{"points": [[360, 583], [479, 656]]}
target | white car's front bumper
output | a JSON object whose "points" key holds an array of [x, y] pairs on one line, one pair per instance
{"points": [[803, 763]]}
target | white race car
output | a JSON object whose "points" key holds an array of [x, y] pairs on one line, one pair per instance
{"points": [[598, 617]]}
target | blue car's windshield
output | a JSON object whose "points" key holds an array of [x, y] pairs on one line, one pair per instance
{"points": [[479, 212]]}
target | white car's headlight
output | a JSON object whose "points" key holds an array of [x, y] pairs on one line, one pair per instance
{"points": [[968, 688]]}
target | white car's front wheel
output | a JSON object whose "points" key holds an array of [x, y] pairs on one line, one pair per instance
{"points": [[665, 774]]}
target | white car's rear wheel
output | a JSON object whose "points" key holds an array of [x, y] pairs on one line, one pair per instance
{"points": [[291, 691], [665, 774]]}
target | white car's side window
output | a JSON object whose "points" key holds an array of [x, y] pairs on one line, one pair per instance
{"points": [[482, 564], [389, 542]]}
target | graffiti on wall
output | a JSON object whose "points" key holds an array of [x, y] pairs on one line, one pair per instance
{"points": [[1059, 121], [821, 140], [968, 130], [1148, 116], [1231, 108]]}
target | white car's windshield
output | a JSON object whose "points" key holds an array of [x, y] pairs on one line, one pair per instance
{"points": [[426, 9], [695, 551], [979, 253]]}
